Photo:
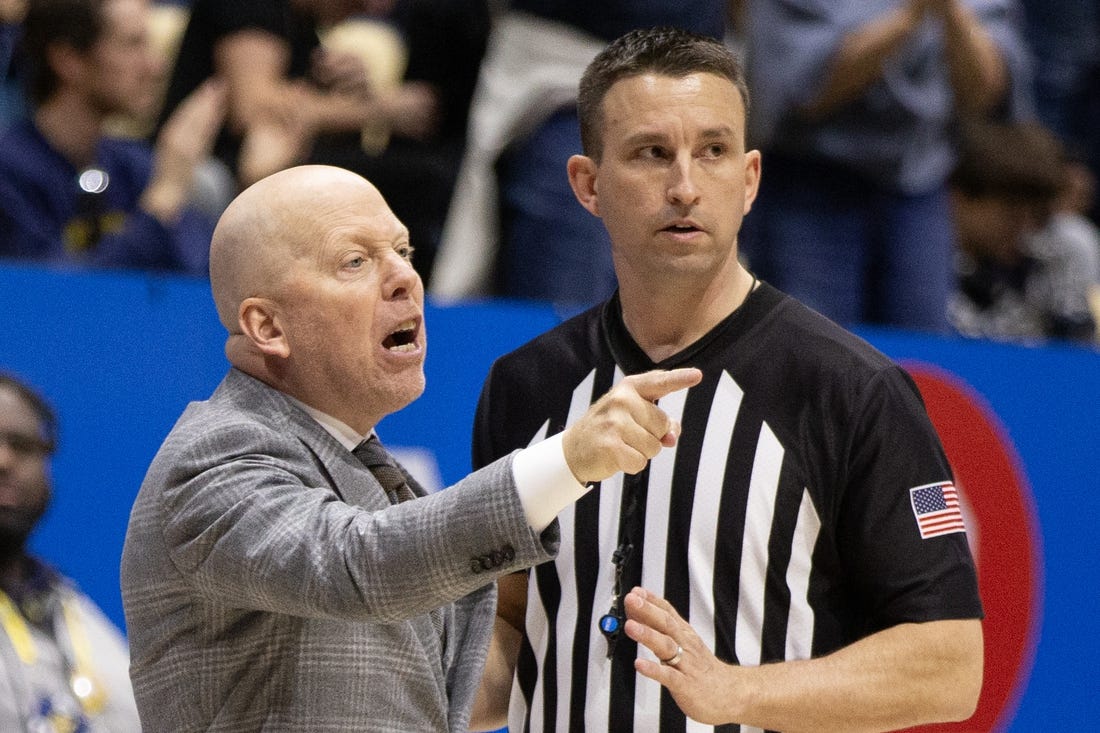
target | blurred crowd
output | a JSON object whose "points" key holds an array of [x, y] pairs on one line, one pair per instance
{"points": [[928, 164]]}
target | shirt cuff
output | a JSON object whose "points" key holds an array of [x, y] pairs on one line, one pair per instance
{"points": [[544, 481]]}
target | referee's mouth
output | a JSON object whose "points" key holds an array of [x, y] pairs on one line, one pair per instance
{"points": [[682, 229]]}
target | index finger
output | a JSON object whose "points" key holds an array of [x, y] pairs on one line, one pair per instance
{"points": [[658, 383]]}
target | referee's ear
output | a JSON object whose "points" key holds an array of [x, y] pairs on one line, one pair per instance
{"points": [[582, 172]]}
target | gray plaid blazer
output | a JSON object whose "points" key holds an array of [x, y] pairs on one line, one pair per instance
{"points": [[269, 585]]}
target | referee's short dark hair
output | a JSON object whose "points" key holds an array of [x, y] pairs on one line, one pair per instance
{"points": [[665, 51]]}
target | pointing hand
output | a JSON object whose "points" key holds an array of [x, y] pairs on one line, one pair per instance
{"points": [[625, 428]]}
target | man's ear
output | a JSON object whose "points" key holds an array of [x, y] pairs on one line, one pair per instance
{"points": [[582, 179], [753, 170], [262, 324]]}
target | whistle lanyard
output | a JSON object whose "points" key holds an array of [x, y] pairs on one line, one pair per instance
{"points": [[611, 623], [89, 693]]}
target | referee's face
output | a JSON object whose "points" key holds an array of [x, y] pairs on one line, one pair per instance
{"points": [[674, 180]]}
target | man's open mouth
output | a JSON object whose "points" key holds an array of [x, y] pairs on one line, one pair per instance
{"points": [[402, 339]]}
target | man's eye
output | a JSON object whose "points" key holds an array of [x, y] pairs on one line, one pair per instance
{"points": [[715, 151], [406, 251], [355, 262], [26, 445], [653, 152]]}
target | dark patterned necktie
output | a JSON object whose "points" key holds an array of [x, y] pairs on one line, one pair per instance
{"points": [[382, 465], [385, 469]]}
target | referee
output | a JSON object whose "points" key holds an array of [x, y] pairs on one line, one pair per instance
{"points": [[802, 552]]}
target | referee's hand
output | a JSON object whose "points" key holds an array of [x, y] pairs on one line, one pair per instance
{"points": [[625, 427]]}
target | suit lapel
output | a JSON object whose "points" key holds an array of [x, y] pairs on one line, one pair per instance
{"points": [[356, 485], [347, 477], [350, 479]]}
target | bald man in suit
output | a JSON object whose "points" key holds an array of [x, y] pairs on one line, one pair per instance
{"points": [[269, 581]]}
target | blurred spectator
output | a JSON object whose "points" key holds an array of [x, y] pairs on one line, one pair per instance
{"points": [[11, 96], [1070, 222], [63, 665], [1070, 219], [69, 193], [284, 88], [1065, 37], [854, 104], [1019, 277], [295, 98], [444, 41], [515, 227]]}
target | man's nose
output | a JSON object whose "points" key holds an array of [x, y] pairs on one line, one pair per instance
{"points": [[681, 185], [401, 277]]}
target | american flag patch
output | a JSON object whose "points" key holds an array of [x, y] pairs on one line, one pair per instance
{"points": [[936, 507]]}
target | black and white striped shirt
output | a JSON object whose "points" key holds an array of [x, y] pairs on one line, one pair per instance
{"points": [[780, 525]]}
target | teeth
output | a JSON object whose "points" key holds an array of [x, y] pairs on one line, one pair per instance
{"points": [[403, 338]]}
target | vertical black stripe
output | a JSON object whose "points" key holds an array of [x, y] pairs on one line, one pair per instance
{"points": [[731, 529], [526, 675], [587, 569], [550, 591], [777, 595], [631, 528]]}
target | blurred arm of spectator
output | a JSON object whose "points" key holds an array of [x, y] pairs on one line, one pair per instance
{"points": [[411, 108], [978, 74], [341, 72], [860, 55], [253, 64], [183, 144], [11, 11], [282, 116]]}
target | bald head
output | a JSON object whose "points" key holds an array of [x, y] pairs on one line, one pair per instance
{"points": [[313, 278], [274, 221]]}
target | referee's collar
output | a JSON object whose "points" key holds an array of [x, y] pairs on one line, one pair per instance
{"points": [[634, 360]]}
